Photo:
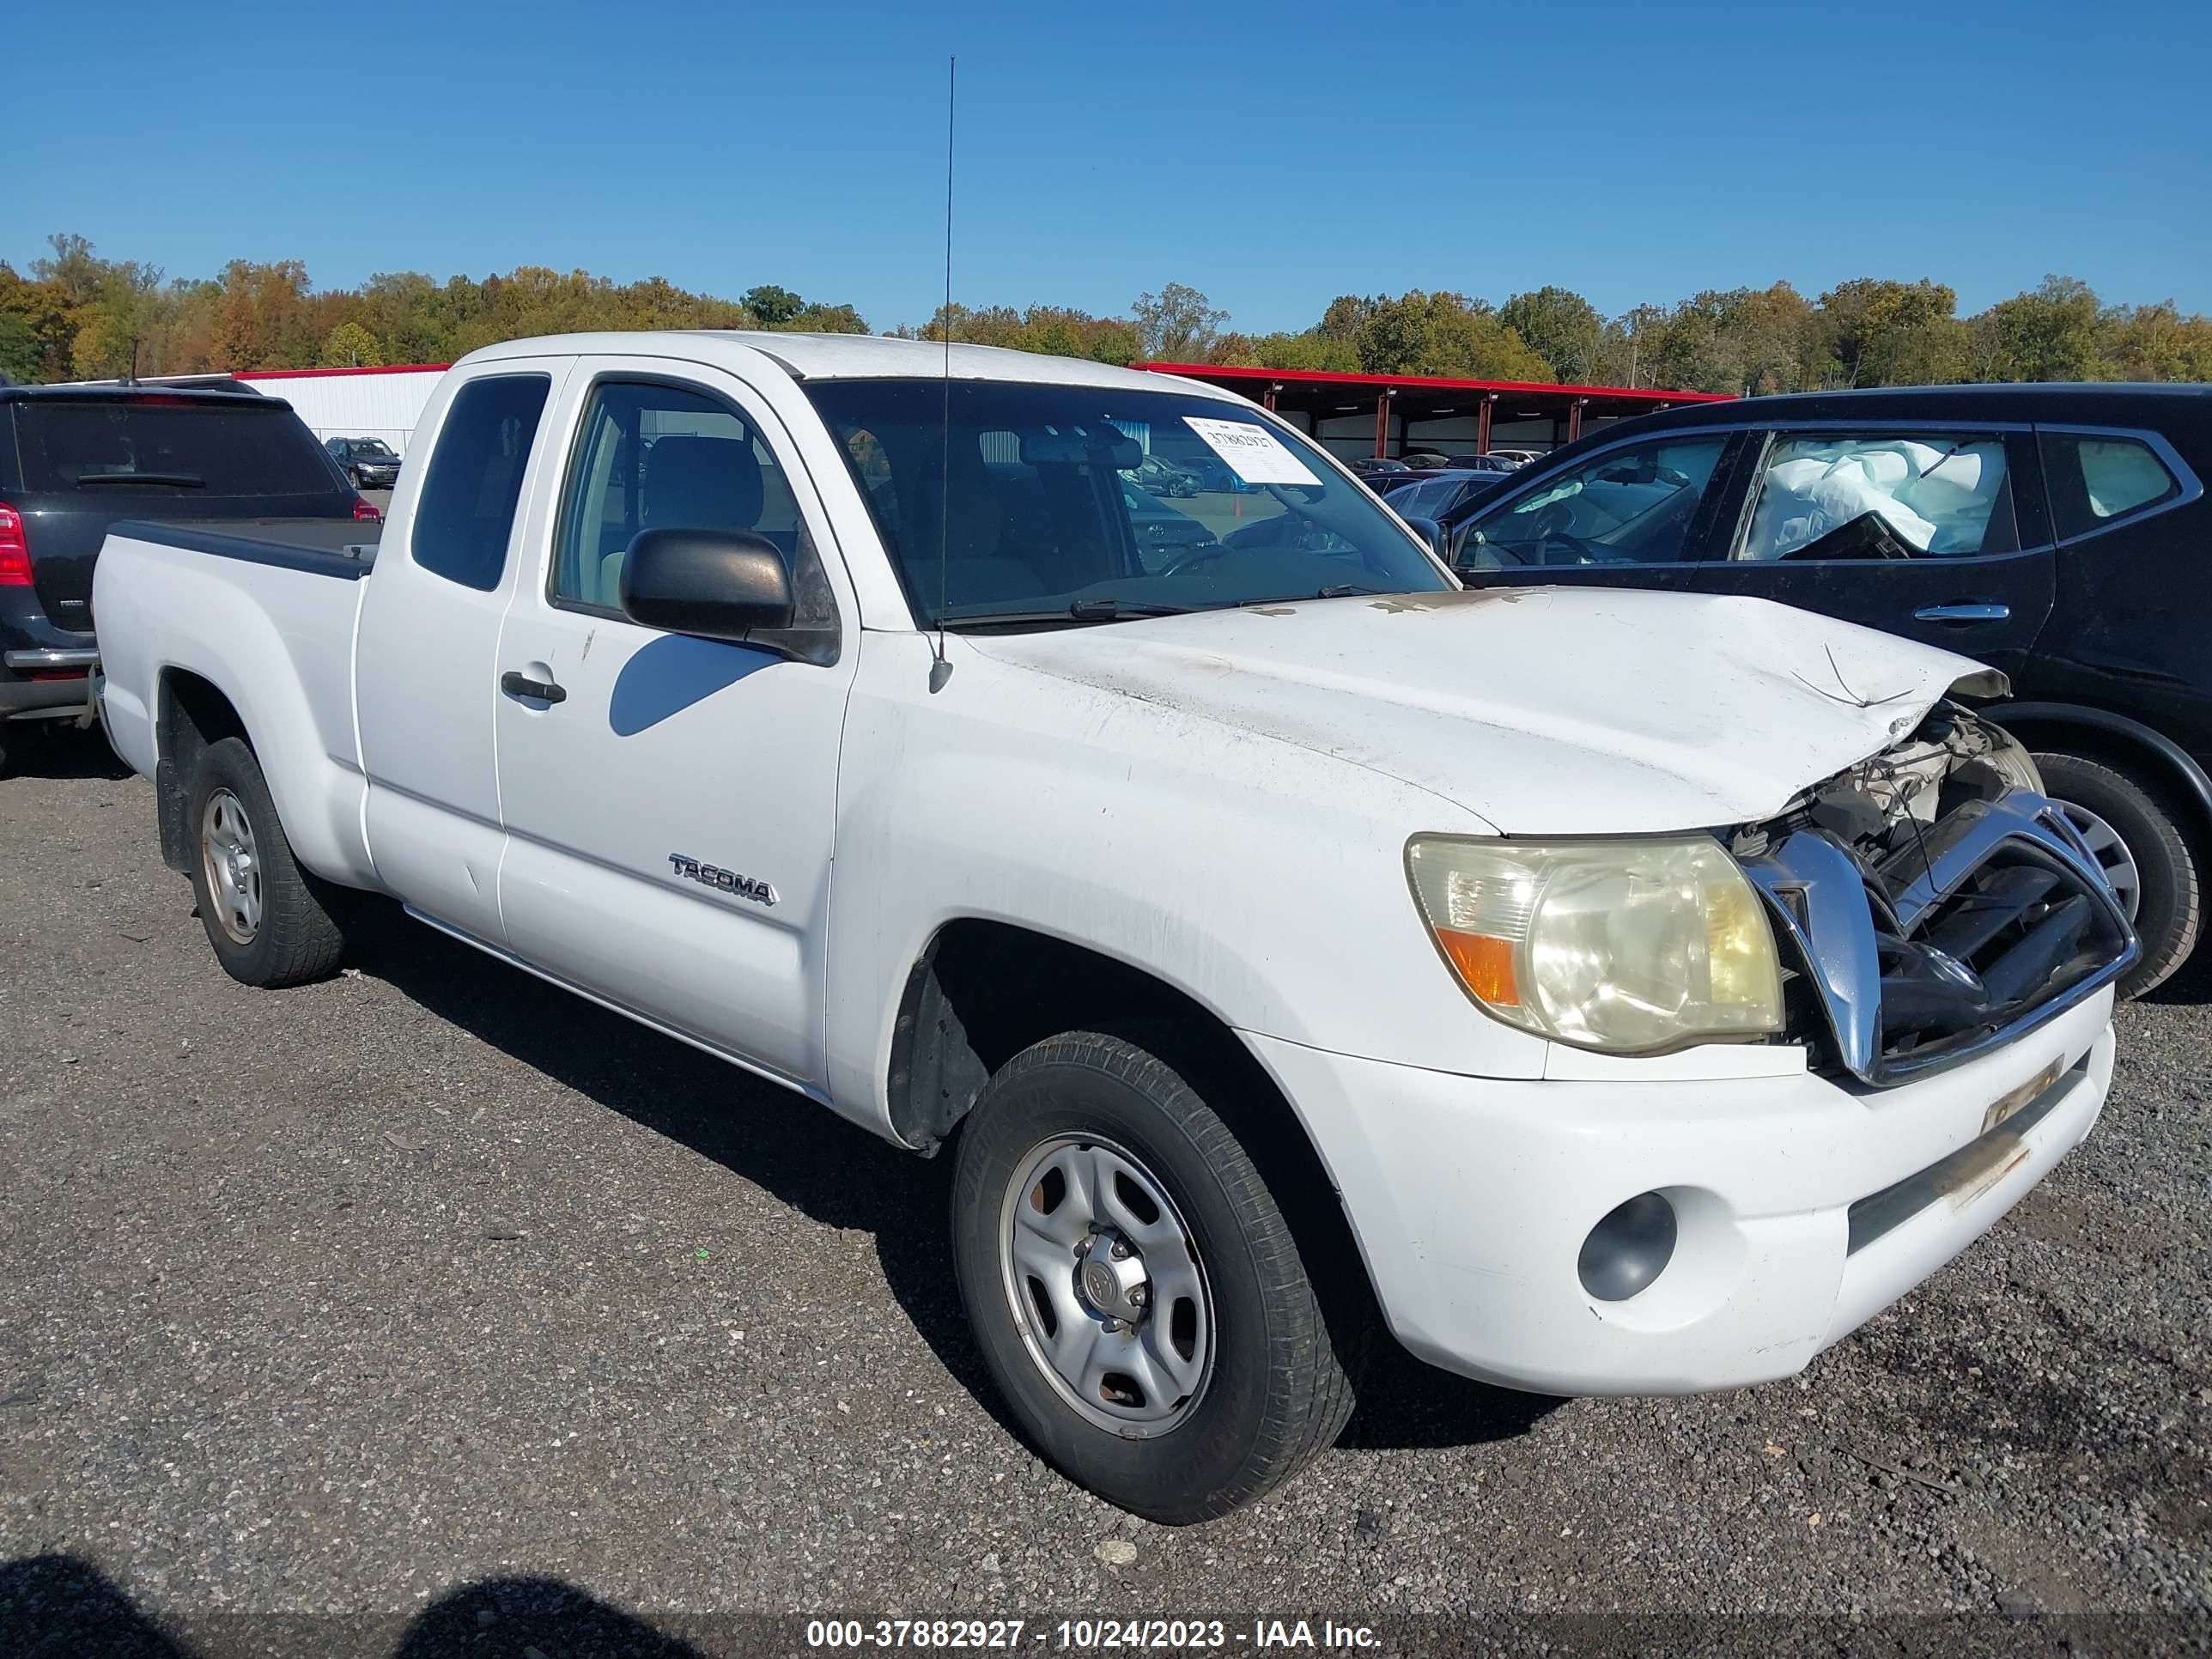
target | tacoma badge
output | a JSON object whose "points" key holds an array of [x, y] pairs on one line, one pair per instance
{"points": [[729, 881]]}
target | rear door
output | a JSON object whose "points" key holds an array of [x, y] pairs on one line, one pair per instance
{"points": [[1937, 532], [1644, 513], [671, 802], [425, 653], [88, 459]]}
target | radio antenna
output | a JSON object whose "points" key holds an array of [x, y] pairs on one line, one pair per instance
{"points": [[939, 669]]}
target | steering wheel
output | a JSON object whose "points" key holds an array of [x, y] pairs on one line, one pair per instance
{"points": [[1201, 553]]}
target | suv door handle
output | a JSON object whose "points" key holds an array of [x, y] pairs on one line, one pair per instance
{"points": [[516, 685], [1962, 613]]}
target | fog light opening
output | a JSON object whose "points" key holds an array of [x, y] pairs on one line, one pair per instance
{"points": [[1629, 1248]]}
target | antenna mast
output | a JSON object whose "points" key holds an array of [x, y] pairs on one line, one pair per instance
{"points": [[940, 670]]}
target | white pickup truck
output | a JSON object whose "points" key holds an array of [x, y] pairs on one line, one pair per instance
{"points": [[1615, 993]]}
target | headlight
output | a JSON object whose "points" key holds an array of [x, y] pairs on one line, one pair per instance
{"points": [[1624, 946]]}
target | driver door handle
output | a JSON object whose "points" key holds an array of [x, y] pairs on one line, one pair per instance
{"points": [[517, 684], [1962, 613]]}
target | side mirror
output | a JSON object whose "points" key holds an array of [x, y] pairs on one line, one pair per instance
{"points": [[711, 584], [1430, 532]]}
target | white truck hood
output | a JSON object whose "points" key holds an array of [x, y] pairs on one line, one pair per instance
{"points": [[1542, 711]]}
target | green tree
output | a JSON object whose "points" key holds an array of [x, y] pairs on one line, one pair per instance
{"points": [[2157, 343], [1559, 326], [1879, 332], [352, 346], [2055, 331], [1177, 324], [774, 307], [1446, 334]]}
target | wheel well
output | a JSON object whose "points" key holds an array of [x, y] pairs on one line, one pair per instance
{"points": [[192, 714], [984, 991], [2117, 747]]}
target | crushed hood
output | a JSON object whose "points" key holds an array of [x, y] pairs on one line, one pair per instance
{"points": [[1543, 711]]}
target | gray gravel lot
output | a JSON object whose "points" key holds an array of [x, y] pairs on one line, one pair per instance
{"points": [[428, 1295]]}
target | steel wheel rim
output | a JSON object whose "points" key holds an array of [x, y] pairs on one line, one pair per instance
{"points": [[1088, 1236], [2111, 854], [233, 865]]}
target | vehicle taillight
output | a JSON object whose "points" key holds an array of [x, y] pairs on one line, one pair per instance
{"points": [[365, 511], [14, 550]]}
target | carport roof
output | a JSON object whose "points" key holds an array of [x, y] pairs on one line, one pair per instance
{"points": [[1304, 387]]}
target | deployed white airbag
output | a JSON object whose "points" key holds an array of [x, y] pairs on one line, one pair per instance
{"points": [[1938, 499]]}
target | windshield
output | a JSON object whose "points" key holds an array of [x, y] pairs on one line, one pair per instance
{"points": [[1071, 503], [374, 449]]}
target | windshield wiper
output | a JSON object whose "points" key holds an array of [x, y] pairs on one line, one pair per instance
{"points": [[181, 480], [1083, 610]]}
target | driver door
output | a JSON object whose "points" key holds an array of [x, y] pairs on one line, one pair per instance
{"points": [[1645, 513]]}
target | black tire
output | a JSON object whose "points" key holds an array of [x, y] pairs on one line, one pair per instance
{"points": [[2169, 914], [1278, 1394], [298, 934]]}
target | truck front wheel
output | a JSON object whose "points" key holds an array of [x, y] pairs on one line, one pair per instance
{"points": [[270, 922], [1138, 1295]]}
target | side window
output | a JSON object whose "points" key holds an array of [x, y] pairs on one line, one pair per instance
{"points": [[1630, 506], [2095, 479], [467, 512], [652, 456], [1857, 497]]}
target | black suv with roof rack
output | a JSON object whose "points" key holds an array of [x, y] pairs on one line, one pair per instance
{"points": [[2057, 532], [74, 460]]}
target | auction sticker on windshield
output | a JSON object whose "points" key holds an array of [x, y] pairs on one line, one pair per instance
{"points": [[1253, 453]]}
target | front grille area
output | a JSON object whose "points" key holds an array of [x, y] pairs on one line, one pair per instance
{"points": [[1991, 922]]}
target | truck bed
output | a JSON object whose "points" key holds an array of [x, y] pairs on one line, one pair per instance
{"points": [[322, 547], [263, 611]]}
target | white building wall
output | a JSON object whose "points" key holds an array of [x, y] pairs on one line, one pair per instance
{"points": [[353, 403]]}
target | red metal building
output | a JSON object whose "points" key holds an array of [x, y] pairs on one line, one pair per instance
{"points": [[1390, 414]]}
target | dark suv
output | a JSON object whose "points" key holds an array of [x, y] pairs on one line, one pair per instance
{"points": [[368, 463], [2056, 532], [74, 460]]}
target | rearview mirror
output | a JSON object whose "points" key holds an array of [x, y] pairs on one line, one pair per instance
{"points": [[711, 584]]}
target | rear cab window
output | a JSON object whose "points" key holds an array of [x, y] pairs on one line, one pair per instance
{"points": [[2100, 478], [466, 517], [1842, 495], [233, 449]]}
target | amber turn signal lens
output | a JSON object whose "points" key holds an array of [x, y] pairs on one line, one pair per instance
{"points": [[1484, 964]]}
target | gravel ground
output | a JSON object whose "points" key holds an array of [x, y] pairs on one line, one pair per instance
{"points": [[428, 1310]]}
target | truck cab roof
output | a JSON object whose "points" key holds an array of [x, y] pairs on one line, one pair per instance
{"points": [[841, 357]]}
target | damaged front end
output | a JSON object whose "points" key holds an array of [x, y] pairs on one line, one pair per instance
{"points": [[1936, 901]]}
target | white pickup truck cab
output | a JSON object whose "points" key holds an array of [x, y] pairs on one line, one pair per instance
{"points": [[1618, 992]]}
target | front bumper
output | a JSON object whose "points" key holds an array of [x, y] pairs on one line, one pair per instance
{"points": [[1471, 1199]]}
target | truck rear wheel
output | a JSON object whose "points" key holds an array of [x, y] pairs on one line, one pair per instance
{"points": [[270, 922], [1138, 1295]]}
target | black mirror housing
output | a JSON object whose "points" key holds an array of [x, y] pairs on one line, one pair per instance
{"points": [[1430, 532], [711, 584]]}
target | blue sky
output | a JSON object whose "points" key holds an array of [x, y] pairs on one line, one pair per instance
{"points": [[1273, 155]]}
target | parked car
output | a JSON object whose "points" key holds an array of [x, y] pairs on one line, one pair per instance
{"points": [[1376, 471], [74, 460], [1214, 475], [1163, 477], [368, 463], [1658, 1072], [1433, 494], [2056, 532]]}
